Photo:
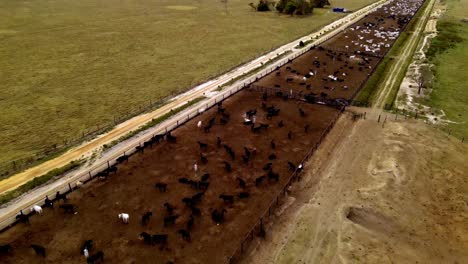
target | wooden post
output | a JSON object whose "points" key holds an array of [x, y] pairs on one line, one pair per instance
{"points": [[378, 121], [90, 176]]}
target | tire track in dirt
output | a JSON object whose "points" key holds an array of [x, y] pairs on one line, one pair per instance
{"points": [[396, 69]]}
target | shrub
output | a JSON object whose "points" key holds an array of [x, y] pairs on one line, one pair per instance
{"points": [[263, 6]]}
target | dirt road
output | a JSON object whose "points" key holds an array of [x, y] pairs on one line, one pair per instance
{"points": [[397, 67], [376, 195]]}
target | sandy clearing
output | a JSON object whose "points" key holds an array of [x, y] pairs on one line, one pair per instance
{"points": [[371, 203]]}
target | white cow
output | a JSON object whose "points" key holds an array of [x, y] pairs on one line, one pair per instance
{"points": [[37, 209], [125, 217], [86, 253]]}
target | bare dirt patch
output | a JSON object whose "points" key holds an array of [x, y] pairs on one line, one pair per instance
{"points": [[395, 194]]}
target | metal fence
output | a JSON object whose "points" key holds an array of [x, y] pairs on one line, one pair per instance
{"points": [[259, 227]]}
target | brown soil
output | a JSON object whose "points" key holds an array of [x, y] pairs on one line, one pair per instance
{"points": [[132, 190], [373, 194]]}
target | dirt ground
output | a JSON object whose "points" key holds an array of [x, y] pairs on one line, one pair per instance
{"points": [[395, 194], [132, 191]]}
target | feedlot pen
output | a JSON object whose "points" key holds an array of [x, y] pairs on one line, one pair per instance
{"points": [[249, 179]]}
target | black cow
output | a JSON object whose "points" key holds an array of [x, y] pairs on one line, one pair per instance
{"points": [[169, 220], [185, 234], [98, 257], [5, 249], [39, 250], [218, 216], [146, 217], [68, 208], [161, 186]]}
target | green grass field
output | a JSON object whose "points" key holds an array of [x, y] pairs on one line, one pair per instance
{"points": [[449, 53], [69, 66]]}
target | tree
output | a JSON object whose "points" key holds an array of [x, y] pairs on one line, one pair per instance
{"points": [[263, 5], [290, 7], [320, 3], [294, 7]]}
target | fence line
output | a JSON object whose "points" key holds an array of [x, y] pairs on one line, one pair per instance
{"points": [[259, 226], [250, 235]]}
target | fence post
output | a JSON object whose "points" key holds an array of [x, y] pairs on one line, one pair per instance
{"points": [[90, 176]]}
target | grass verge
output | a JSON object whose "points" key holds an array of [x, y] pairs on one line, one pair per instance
{"points": [[370, 88], [38, 181], [448, 52]]}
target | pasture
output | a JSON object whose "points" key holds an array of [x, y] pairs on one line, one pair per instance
{"points": [[449, 53], [70, 66]]}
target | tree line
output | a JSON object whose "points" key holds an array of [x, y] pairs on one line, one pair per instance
{"points": [[290, 7]]}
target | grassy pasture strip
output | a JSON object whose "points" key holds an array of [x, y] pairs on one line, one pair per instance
{"points": [[373, 85], [448, 52], [38, 181]]}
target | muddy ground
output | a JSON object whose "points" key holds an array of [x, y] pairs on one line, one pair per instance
{"points": [[132, 190]]}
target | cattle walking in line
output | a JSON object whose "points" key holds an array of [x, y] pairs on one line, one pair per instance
{"points": [[36, 209], [48, 202], [22, 218], [61, 196]]}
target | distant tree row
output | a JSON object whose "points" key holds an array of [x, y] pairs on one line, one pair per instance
{"points": [[290, 7]]}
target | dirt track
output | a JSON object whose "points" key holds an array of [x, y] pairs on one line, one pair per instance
{"points": [[389, 195]]}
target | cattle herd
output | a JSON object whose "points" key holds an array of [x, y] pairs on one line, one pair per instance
{"points": [[191, 195]]}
